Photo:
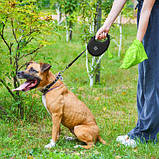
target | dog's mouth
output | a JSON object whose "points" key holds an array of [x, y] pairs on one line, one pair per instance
{"points": [[28, 85]]}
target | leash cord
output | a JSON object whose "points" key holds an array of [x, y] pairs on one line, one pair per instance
{"points": [[46, 89], [70, 64]]}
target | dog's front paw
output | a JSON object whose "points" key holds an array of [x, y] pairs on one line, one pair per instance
{"points": [[50, 145]]}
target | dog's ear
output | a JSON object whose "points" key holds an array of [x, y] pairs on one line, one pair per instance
{"points": [[44, 67]]}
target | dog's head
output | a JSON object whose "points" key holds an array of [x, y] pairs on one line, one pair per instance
{"points": [[36, 76]]}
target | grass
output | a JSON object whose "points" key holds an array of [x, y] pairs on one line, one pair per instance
{"points": [[113, 103]]}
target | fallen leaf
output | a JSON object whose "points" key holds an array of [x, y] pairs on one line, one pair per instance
{"points": [[123, 93], [30, 157], [117, 157], [135, 150], [118, 145], [97, 98], [80, 88]]}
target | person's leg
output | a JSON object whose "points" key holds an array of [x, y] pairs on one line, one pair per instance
{"points": [[148, 112], [140, 98], [148, 118], [124, 139], [148, 84], [140, 86]]}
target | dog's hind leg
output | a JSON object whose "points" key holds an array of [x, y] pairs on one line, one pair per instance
{"points": [[86, 134]]}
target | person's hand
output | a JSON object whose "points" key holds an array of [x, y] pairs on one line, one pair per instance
{"points": [[102, 32]]}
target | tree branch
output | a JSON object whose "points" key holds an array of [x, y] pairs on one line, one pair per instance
{"points": [[9, 90], [13, 31], [29, 40], [7, 44], [20, 67], [34, 51]]}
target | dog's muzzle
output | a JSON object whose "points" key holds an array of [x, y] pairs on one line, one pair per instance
{"points": [[31, 81]]}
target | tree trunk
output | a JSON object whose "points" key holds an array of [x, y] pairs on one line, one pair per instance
{"points": [[70, 30], [20, 107], [67, 32], [59, 14], [120, 29], [69, 26], [98, 25]]}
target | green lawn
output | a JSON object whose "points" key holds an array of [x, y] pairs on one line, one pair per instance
{"points": [[113, 103]]}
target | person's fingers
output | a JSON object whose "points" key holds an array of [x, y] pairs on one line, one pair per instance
{"points": [[101, 35], [99, 38], [102, 32], [106, 35], [98, 34]]}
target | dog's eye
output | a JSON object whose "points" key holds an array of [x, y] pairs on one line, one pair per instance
{"points": [[33, 70]]}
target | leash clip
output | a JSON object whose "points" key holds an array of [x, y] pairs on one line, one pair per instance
{"points": [[60, 76]]}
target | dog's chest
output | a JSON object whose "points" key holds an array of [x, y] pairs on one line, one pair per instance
{"points": [[44, 102]]}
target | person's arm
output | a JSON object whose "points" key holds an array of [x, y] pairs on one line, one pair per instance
{"points": [[144, 18], [116, 9]]}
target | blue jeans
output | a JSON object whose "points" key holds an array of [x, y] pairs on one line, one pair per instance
{"points": [[147, 125]]}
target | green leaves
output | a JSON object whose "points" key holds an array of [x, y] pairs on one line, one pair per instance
{"points": [[23, 31]]}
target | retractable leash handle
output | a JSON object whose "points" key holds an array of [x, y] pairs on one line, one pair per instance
{"points": [[96, 47]]}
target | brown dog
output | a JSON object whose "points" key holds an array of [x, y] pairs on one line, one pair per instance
{"points": [[63, 106]]}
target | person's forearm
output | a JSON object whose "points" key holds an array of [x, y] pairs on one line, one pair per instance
{"points": [[144, 18], [116, 9]]}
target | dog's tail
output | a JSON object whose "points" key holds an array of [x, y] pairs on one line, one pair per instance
{"points": [[101, 140]]}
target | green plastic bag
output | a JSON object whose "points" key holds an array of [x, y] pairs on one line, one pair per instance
{"points": [[134, 55]]}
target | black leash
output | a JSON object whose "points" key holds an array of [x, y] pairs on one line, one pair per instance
{"points": [[59, 76]]}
